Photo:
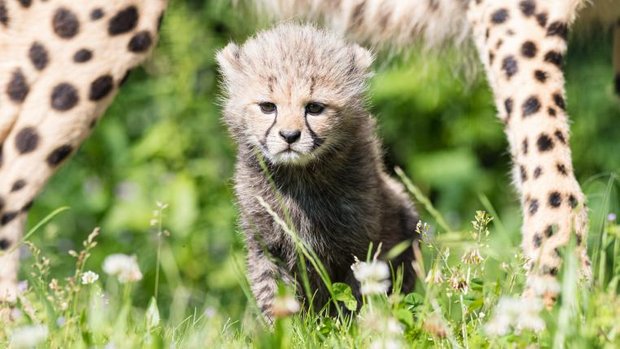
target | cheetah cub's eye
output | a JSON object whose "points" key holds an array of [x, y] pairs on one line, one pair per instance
{"points": [[267, 107], [314, 108]]}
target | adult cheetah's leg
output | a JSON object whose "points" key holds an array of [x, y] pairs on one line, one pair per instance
{"points": [[522, 44], [61, 64]]}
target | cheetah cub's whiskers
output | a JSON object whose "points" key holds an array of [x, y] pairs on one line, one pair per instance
{"points": [[295, 105]]}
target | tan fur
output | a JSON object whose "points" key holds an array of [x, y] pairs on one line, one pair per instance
{"points": [[41, 124]]}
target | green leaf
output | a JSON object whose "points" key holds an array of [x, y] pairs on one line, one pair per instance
{"points": [[343, 293], [405, 316]]}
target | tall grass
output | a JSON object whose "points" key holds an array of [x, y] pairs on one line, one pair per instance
{"points": [[467, 296]]}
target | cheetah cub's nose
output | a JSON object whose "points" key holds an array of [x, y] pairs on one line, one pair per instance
{"points": [[290, 136]]}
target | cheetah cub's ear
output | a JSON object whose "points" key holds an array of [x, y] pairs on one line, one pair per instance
{"points": [[362, 59], [229, 61]]}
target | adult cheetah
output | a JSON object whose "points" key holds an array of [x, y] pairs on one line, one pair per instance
{"points": [[61, 64]]}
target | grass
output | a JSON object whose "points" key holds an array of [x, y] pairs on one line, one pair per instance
{"points": [[466, 297]]}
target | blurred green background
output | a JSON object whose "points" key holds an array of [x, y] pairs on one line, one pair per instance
{"points": [[162, 139]]}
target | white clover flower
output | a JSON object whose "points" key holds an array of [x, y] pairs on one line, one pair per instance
{"points": [[29, 336], [611, 217], [89, 277], [516, 314], [373, 276], [124, 267], [284, 306]]}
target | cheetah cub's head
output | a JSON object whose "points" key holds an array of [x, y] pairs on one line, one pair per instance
{"points": [[294, 92]]}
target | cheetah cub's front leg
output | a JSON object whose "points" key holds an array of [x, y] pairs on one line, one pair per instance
{"points": [[522, 45]]}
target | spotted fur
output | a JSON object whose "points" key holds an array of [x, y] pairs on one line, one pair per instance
{"points": [[61, 64]]}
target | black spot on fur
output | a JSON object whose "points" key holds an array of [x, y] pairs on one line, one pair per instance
{"points": [[491, 57], [25, 3], [65, 23], [572, 201], [562, 169], [529, 49], [558, 28], [499, 16], [560, 136], [528, 7], [551, 111], [525, 146], [140, 42], [4, 14], [579, 239], [27, 206], [537, 240], [549, 231], [554, 58], [540, 75], [533, 207], [8, 217], [555, 199], [508, 105], [26, 140], [82, 56], [18, 88], [541, 18], [509, 65], [544, 142], [64, 97], [4, 244], [537, 172], [101, 87], [523, 173], [553, 271], [96, 14], [530, 106], [38, 56], [559, 101], [18, 185], [124, 21], [59, 154]]}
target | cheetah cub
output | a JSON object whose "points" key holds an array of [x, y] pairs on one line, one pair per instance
{"points": [[295, 105]]}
